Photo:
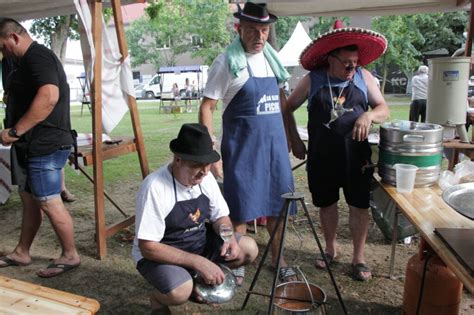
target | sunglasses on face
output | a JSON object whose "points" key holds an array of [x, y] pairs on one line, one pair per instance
{"points": [[348, 65]]}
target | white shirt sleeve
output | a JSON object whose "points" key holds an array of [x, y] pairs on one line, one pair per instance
{"points": [[218, 79], [217, 205]]}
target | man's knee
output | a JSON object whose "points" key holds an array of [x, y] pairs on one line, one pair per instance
{"points": [[177, 296], [249, 249]]}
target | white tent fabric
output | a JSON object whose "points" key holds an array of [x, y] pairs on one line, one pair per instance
{"points": [[363, 7], [33, 9], [117, 77], [290, 53]]}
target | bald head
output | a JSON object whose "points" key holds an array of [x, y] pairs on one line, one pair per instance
{"points": [[14, 39], [8, 26]]}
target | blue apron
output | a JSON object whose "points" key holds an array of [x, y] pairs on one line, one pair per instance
{"points": [[185, 224], [256, 164]]}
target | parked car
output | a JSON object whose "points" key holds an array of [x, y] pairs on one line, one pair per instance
{"points": [[139, 91]]}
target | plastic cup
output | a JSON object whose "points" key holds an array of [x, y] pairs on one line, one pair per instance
{"points": [[405, 176]]}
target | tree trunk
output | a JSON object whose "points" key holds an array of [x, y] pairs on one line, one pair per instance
{"points": [[59, 38]]}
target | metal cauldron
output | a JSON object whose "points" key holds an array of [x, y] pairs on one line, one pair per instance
{"points": [[218, 294]]}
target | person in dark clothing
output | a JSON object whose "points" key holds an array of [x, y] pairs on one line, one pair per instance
{"points": [[343, 101], [39, 130]]}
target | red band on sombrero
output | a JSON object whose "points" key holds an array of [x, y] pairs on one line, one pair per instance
{"points": [[371, 45]]}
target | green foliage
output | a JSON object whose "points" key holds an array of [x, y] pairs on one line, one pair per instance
{"points": [[324, 24], [174, 24], [44, 28]]}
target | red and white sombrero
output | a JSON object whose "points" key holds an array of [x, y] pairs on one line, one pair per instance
{"points": [[371, 45]]}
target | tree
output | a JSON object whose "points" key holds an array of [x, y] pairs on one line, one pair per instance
{"points": [[201, 27], [55, 31]]}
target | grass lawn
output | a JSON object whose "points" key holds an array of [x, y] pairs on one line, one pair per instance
{"points": [[158, 130]]}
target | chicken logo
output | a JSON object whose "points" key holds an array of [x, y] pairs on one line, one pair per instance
{"points": [[195, 216]]}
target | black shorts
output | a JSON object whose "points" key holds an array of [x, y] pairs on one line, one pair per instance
{"points": [[339, 164]]}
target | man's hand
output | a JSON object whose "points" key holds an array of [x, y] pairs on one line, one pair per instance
{"points": [[216, 169], [298, 148], [360, 132], [6, 139], [231, 250], [211, 273]]}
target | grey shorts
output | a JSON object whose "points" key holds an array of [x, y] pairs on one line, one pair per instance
{"points": [[165, 277]]}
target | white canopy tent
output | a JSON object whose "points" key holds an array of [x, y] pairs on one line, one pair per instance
{"points": [[290, 53], [34, 9]]}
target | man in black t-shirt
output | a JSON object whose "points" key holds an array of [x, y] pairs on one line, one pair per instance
{"points": [[39, 129]]}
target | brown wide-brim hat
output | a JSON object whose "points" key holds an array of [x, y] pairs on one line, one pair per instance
{"points": [[371, 45]]}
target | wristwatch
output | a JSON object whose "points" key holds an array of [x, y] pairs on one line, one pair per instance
{"points": [[12, 133]]}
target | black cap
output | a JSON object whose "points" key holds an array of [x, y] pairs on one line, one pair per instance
{"points": [[255, 12]]}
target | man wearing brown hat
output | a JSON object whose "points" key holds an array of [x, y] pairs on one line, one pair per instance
{"points": [[179, 211], [343, 102], [257, 171]]}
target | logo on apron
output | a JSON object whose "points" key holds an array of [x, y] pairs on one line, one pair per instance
{"points": [[195, 216], [268, 104]]}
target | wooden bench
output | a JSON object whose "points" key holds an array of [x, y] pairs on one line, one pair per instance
{"points": [[20, 297]]}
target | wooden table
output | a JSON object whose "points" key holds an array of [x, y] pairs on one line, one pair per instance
{"points": [[426, 209], [19, 297]]}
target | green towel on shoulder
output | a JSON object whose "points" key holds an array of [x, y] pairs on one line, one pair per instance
{"points": [[237, 60]]}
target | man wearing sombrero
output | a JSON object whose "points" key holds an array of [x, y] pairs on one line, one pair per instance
{"points": [[254, 148], [343, 102]]}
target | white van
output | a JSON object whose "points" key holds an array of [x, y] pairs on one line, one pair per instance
{"points": [[161, 84]]}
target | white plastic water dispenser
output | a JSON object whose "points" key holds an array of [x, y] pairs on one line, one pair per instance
{"points": [[447, 93]]}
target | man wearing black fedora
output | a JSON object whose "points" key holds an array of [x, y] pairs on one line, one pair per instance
{"points": [[248, 78], [179, 211]]}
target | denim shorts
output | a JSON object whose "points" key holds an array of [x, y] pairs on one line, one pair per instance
{"points": [[44, 174]]}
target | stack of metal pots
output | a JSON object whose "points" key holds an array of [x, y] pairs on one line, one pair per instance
{"points": [[408, 142]]}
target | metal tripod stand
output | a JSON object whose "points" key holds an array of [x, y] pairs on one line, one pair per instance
{"points": [[289, 199]]}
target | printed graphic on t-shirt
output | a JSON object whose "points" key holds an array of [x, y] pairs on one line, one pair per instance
{"points": [[268, 104]]}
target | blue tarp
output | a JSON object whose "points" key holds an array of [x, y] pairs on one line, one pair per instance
{"points": [[180, 69]]}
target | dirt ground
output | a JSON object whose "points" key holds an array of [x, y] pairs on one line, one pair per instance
{"points": [[119, 288]]}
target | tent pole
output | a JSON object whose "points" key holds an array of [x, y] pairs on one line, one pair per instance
{"points": [[132, 103], [96, 6]]}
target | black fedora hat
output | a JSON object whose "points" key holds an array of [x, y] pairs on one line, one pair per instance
{"points": [[194, 144], [255, 12]]}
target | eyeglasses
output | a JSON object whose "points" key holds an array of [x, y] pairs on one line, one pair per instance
{"points": [[349, 65]]}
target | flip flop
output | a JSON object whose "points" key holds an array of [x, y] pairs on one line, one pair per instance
{"points": [[64, 268], [10, 262], [319, 258], [358, 269]]}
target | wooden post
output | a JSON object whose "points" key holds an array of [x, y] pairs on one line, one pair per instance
{"points": [[132, 103], [97, 130], [468, 50]]}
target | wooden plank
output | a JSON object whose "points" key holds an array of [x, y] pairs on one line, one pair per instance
{"points": [[20, 297], [111, 230], [97, 131], [426, 209]]}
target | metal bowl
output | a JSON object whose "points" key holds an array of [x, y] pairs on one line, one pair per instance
{"points": [[218, 294], [461, 198]]}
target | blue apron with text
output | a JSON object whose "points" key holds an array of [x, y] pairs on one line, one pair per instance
{"points": [[256, 163]]}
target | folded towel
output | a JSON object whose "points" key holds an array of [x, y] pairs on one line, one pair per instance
{"points": [[238, 61]]}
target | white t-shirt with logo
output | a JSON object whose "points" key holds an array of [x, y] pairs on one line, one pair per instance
{"points": [[156, 199]]}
